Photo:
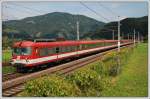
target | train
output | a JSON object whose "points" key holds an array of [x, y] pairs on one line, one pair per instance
{"points": [[29, 54]]}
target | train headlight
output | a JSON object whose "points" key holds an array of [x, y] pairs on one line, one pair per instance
{"points": [[11, 62]]}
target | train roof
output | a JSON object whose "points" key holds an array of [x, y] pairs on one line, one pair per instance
{"points": [[58, 43]]}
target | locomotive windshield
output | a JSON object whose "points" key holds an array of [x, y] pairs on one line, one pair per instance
{"points": [[22, 51]]}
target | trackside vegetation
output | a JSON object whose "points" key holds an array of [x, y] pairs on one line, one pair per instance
{"points": [[8, 69], [6, 55], [115, 74], [133, 81]]}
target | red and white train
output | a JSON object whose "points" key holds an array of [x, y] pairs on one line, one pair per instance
{"points": [[27, 54]]}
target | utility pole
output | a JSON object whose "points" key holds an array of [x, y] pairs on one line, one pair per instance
{"points": [[118, 33], [113, 35], [134, 37], [78, 35], [118, 56]]}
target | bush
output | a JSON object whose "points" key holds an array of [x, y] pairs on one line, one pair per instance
{"points": [[88, 81], [50, 86], [109, 56], [114, 61], [99, 68]]}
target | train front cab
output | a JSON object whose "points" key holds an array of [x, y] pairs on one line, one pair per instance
{"points": [[21, 56]]}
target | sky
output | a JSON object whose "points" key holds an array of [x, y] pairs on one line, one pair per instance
{"points": [[101, 11]]}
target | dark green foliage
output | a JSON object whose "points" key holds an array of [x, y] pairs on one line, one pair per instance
{"points": [[99, 68], [6, 55], [50, 86], [114, 61], [88, 81], [127, 27], [54, 25], [8, 69]]}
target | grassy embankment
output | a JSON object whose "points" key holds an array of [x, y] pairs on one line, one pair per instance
{"points": [[101, 78], [133, 81]]}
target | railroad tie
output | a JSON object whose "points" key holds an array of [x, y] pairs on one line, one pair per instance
{"points": [[14, 90]]}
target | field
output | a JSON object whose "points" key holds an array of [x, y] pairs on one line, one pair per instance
{"points": [[133, 81]]}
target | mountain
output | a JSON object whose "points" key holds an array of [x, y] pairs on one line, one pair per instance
{"points": [[51, 25], [59, 24], [127, 27]]}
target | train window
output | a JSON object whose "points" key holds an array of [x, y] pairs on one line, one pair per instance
{"points": [[71, 48], [80, 47], [57, 49], [99, 44], [36, 50], [51, 51], [74, 48], [68, 49], [77, 47], [83, 46], [43, 52], [22, 51], [63, 49]]}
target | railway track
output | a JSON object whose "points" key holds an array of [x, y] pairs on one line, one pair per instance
{"points": [[15, 86], [10, 76]]}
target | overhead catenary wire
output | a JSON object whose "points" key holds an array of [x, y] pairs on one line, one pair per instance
{"points": [[114, 13], [94, 11], [31, 9], [108, 9], [39, 12], [19, 10]]}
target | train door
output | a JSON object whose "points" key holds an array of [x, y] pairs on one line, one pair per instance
{"points": [[36, 52], [57, 50]]}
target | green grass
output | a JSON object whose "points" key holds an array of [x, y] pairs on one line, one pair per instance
{"points": [[6, 55], [133, 81], [8, 69]]}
